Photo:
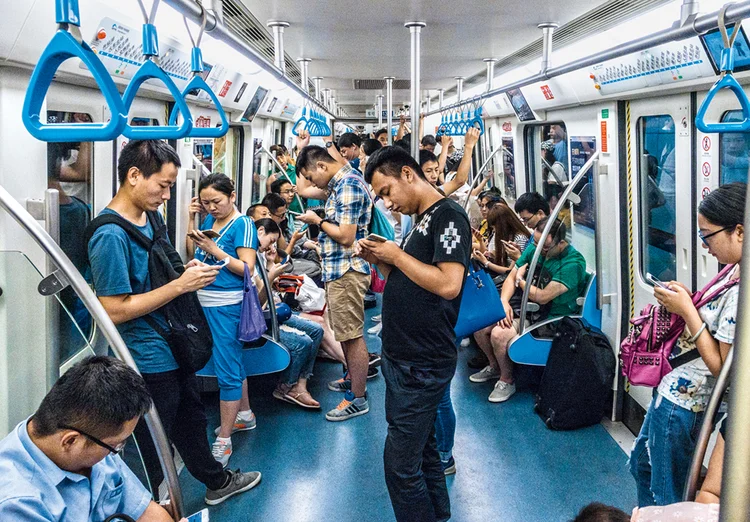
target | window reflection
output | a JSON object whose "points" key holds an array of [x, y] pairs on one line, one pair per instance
{"points": [[549, 164], [657, 196], [69, 168], [735, 152]]}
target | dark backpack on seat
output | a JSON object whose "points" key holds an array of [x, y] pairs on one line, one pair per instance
{"points": [[188, 334], [577, 380]]}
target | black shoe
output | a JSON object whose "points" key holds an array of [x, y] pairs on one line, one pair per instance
{"points": [[372, 372], [479, 361], [374, 360]]}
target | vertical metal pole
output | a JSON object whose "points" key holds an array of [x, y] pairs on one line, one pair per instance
{"points": [[303, 67], [54, 309], [735, 481], [327, 98], [689, 9], [380, 111], [459, 87], [441, 95], [415, 28], [428, 103], [389, 107], [278, 26], [547, 29], [490, 72], [317, 80]]}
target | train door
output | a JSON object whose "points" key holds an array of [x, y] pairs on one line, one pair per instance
{"points": [[720, 159], [661, 212]]}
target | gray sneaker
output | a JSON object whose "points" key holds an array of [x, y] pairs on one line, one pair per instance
{"points": [[340, 385], [348, 409], [488, 373], [238, 483], [240, 425], [502, 392]]}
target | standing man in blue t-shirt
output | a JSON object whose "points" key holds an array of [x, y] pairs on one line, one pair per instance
{"points": [[119, 266]]}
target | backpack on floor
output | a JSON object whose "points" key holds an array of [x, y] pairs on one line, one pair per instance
{"points": [[187, 334], [577, 380]]}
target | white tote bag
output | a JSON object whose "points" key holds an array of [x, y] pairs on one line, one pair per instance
{"points": [[311, 298]]}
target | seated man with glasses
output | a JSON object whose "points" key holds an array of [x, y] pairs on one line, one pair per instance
{"points": [[62, 463]]}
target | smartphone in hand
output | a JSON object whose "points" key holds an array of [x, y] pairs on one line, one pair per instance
{"points": [[376, 238], [651, 279]]}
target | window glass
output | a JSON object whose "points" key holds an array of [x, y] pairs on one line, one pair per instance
{"points": [[656, 142], [226, 158], [734, 148], [69, 168], [549, 165], [260, 163], [509, 170]]}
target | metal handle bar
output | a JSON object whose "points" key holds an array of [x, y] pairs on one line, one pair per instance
{"points": [[283, 173], [484, 166], [553, 216], [260, 264], [107, 327], [701, 445]]}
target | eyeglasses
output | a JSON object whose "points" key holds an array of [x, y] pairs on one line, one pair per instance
{"points": [[704, 238], [280, 216], [288, 191], [116, 450]]}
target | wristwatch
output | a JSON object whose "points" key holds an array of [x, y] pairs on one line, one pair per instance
{"points": [[325, 220], [329, 144]]}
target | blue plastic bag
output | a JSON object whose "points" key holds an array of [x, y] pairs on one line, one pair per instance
{"points": [[480, 303], [252, 323]]}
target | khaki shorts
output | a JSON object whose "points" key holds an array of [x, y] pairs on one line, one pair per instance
{"points": [[346, 305]]}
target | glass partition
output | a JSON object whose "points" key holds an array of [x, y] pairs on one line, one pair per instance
{"points": [[734, 150]]}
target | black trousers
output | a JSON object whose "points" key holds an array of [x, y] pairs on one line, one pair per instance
{"points": [[413, 472], [180, 409]]}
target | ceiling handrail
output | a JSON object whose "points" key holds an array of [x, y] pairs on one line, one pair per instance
{"points": [[68, 43]]}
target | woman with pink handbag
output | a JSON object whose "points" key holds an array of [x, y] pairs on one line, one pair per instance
{"points": [[661, 455]]}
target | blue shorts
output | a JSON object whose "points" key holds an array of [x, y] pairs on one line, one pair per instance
{"points": [[227, 350]]}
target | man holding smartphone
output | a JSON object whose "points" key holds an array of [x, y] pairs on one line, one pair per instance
{"points": [[427, 273], [348, 210]]}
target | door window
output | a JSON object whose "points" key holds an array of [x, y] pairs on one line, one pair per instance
{"points": [[656, 175], [548, 159], [734, 149]]}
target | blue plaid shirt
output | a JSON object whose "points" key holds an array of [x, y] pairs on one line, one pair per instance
{"points": [[348, 203]]}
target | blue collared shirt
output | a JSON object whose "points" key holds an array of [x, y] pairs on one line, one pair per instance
{"points": [[33, 488]]}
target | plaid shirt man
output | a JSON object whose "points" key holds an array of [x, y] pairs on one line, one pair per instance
{"points": [[348, 203]]}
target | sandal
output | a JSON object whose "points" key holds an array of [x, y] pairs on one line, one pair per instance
{"points": [[295, 397], [279, 394]]}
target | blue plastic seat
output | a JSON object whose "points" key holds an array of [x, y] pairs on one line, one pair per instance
{"points": [[534, 351]]}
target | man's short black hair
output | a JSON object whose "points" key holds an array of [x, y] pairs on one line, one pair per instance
{"points": [[389, 161], [369, 146], [276, 185], [379, 132], [97, 395], [273, 202], [310, 155], [532, 202], [148, 156], [252, 208], [557, 231], [402, 144], [425, 156], [429, 141], [349, 139]]}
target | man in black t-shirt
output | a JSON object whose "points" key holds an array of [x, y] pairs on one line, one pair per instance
{"points": [[425, 278]]}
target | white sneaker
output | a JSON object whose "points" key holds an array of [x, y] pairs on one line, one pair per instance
{"points": [[222, 450], [375, 330], [487, 373], [502, 392], [377, 318]]}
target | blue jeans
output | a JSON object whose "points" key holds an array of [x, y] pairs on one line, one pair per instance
{"points": [[661, 456], [302, 338], [445, 426]]}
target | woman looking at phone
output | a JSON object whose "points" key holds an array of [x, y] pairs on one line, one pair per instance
{"points": [[661, 456], [508, 230], [235, 245]]}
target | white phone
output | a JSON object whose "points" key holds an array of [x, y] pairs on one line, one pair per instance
{"points": [[224, 262], [651, 279], [200, 516], [377, 238]]}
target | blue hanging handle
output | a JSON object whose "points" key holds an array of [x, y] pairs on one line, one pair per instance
{"points": [[198, 83], [150, 71], [477, 122], [67, 43], [726, 81], [302, 123]]}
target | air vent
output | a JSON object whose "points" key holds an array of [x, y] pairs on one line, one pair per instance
{"points": [[375, 85], [604, 17], [249, 29]]}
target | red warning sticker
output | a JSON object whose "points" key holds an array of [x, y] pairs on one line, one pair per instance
{"points": [[706, 169], [706, 143]]}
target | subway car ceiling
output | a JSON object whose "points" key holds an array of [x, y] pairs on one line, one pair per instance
{"points": [[454, 44]]}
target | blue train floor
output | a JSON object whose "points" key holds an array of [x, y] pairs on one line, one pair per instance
{"points": [[510, 466]]}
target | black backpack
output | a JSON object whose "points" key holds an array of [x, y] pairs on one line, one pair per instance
{"points": [[576, 384], [189, 336]]}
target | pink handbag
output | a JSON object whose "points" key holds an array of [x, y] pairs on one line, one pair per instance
{"points": [[645, 352]]}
